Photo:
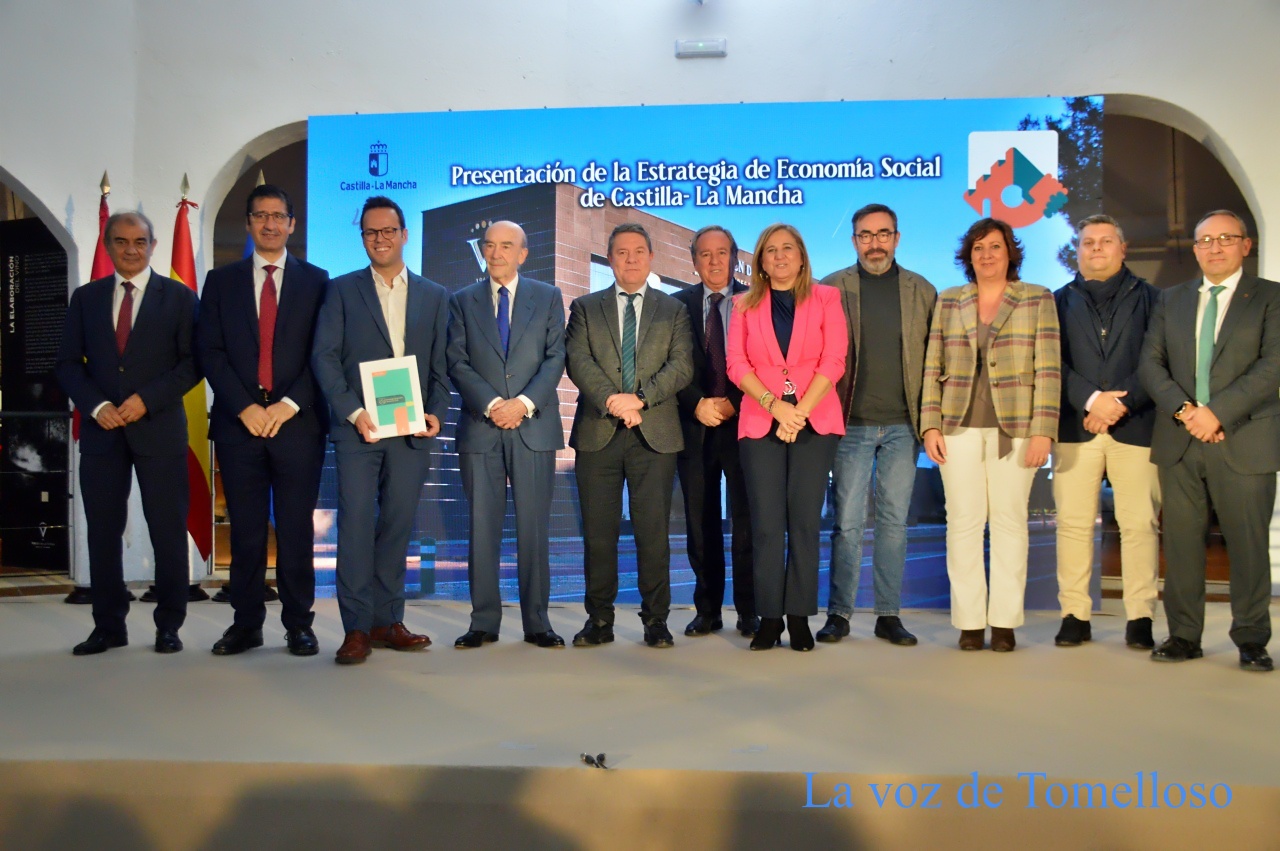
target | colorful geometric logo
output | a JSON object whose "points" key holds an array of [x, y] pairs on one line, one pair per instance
{"points": [[1020, 186], [377, 159]]}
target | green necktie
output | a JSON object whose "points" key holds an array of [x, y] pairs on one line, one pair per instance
{"points": [[629, 343], [1204, 348]]}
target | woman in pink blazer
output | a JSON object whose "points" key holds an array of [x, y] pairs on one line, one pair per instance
{"points": [[786, 350]]}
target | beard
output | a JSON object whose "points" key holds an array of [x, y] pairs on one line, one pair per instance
{"points": [[878, 264]]}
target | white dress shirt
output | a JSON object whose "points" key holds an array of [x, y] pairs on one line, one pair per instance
{"points": [[1224, 301], [260, 265], [511, 303], [139, 282]]}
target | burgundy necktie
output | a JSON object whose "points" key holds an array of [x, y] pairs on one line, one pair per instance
{"points": [[717, 383], [267, 329], [124, 319]]}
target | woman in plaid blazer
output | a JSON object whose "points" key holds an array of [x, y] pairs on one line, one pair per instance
{"points": [[988, 417]]}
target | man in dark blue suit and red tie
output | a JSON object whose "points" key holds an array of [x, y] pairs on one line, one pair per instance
{"points": [[268, 421], [378, 312], [506, 357], [126, 360]]}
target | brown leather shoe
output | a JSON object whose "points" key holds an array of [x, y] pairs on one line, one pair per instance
{"points": [[355, 648], [973, 639], [397, 637], [1002, 639]]}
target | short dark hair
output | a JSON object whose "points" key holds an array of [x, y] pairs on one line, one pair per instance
{"points": [[135, 216], [267, 190], [629, 227], [733, 243], [376, 202], [976, 231], [1209, 215], [863, 212], [1098, 219]]}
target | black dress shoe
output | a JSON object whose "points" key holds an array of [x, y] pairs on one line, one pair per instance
{"points": [[769, 635], [474, 638], [1075, 632], [544, 639], [100, 641], [656, 634], [890, 628], [1254, 657], [1175, 649], [834, 629], [798, 629], [237, 639], [301, 641], [1137, 634], [748, 626], [593, 634], [703, 625], [167, 641]]}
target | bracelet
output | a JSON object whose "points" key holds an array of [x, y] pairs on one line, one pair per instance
{"points": [[769, 409], [763, 396]]}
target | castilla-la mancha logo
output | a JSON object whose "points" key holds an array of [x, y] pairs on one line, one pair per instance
{"points": [[377, 159], [1013, 175]]}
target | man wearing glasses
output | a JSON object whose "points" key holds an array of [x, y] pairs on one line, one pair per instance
{"points": [[1211, 361], [888, 309], [268, 420], [379, 312]]}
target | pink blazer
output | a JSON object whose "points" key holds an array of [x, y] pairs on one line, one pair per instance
{"points": [[818, 344]]}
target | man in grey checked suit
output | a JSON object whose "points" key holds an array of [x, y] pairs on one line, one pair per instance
{"points": [[630, 350]]}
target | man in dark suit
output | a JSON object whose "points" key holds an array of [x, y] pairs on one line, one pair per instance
{"points": [[268, 420], [379, 312], [126, 360], [1211, 362], [506, 357], [629, 350], [709, 418], [1105, 427]]}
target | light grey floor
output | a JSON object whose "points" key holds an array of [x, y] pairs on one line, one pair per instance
{"points": [[863, 706]]}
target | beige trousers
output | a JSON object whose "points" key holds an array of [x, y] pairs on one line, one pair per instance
{"points": [[1077, 481], [983, 488]]}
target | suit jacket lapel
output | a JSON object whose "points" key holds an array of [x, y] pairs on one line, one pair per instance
{"points": [[968, 307], [1012, 295], [800, 328], [1181, 323], [646, 316], [764, 316], [696, 315], [609, 310], [1241, 303], [243, 306], [521, 316], [484, 305], [152, 304], [369, 293], [414, 302]]}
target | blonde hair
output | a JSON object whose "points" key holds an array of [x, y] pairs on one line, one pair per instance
{"points": [[760, 279]]}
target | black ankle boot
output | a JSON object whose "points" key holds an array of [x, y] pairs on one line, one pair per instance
{"points": [[801, 637], [769, 635]]}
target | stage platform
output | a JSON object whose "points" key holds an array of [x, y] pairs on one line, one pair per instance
{"points": [[710, 746]]}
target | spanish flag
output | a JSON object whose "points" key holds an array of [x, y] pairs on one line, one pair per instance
{"points": [[200, 513]]}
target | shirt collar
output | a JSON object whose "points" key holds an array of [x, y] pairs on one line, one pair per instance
{"points": [[260, 262], [511, 287], [401, 277], [642, 292], [1232, 281], [139, 280]]}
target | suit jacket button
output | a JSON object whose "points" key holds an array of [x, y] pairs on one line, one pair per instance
{"points": [[508, 375], [121, 369]]}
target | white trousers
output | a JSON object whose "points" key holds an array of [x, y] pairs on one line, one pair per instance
{"points": [[1077, 481], [983, 488]]}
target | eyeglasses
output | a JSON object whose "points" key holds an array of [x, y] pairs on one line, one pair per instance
{"points": [[262, 217], [371, 234], [865, 237], [1223, 239]]}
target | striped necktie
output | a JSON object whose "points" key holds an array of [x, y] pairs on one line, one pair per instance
{"points": [[629, 343]]}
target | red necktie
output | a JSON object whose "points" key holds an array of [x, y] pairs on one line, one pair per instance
{"points": [[124, 319], [267, 329]]}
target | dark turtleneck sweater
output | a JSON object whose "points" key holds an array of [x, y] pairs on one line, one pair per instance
{"points": [[879, 395]]}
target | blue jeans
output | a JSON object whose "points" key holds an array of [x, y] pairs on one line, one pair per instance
{"points": [[888, 452]]}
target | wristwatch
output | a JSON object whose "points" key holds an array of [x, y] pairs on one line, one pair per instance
{"points": [[644, 403], [1182, 409]]}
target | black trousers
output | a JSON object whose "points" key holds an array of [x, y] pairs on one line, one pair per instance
{"points": [[105, 482], [700, 477], [265, 478], [649, 477], [786, 485], [1244, 504]]}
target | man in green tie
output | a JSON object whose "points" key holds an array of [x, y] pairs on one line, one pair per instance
{"points": [[630, 351], [1211, 361]]}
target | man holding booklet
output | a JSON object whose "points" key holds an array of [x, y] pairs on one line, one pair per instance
{"points": [[373, 314]]}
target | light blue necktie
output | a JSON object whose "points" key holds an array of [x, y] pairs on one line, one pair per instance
{"points": [[1204, 348], [504, 319], [629, 343]]}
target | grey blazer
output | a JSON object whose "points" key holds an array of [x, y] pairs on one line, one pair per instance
{"points": [[917, 299], [664, 367], [1244, 378]]}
